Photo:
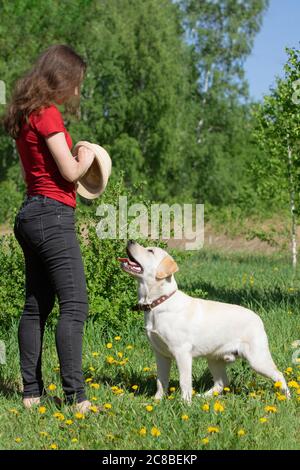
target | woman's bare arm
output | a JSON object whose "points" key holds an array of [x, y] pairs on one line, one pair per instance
{"points": [[70, 168]]}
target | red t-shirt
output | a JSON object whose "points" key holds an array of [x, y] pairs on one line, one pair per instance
{"points": [[41, 171]]}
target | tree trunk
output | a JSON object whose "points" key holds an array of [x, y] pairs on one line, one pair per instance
{"points": [[205, 90], [292, 209]]}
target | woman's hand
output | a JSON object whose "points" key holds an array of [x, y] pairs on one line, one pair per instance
{"points": [[85, 157]]}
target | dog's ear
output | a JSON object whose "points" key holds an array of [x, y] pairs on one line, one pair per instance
{"points": [[166, 267]]}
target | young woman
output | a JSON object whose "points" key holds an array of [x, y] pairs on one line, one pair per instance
{"points": [[44, 226]]}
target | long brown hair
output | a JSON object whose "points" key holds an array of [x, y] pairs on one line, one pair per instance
{"points": [[52, 79]]}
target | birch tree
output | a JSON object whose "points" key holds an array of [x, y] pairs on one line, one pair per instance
{"points": [[278, 132]]}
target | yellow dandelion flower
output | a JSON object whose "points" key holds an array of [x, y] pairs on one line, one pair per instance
{"points": [[42, 410], [52, 387], [68, 422], [149, 408], [118, 338], [129, 347], [95, 354], [288, 370], [59, 416], [293, 384], [146, 369], [184, 417], [155, 432], [171, 397], [263, 420], [110, 360], [56, 369], [120, 354], [74, 440], [92, 369], [94, 409], [135, 387], [95, 386], [94, 398], [109, 345], [280, 397], [172, 389], [271, 409], [43, 434], [277, 384], [18, 439], [89, 379], [143, 432], [241, 432], [205, 407], [215, 394], [218, 407], [79, 415], [53, 446], [226, 389], [252, 394], [14, 411], [205, 441], [213, 429], [108, 406]]}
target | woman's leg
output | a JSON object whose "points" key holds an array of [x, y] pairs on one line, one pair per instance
{"points": [[61, 254], [39, 303]]}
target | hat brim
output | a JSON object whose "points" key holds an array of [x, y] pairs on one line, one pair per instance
{"points": [[93, 183]]}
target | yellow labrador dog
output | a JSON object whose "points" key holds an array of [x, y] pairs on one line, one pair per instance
{"points": [[181, 327]]}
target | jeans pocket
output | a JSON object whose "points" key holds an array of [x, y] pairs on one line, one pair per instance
{"points": [[31, 229]]}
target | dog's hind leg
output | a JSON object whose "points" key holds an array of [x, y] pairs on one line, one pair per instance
{"points": [[163, 372], [259, 357], [218, 371]]}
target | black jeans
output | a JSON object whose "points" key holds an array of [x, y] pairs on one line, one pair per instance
{"points": [[45, 230]]}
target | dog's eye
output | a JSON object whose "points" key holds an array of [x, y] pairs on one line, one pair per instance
{"points": [[151, 251]]}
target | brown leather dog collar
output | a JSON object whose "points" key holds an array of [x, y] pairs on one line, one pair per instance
{"points": [[145, 307]]}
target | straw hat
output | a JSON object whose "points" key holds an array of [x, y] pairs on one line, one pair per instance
{"points": [[94, 181]]}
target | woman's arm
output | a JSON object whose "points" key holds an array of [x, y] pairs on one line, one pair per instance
{"points": [[70, 168]]}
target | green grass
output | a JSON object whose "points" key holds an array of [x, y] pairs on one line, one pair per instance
{"points": [[262, 283]]}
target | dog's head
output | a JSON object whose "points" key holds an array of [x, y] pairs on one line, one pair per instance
{"points": [[148, 264]]}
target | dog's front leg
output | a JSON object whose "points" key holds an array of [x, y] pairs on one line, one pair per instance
{"points": [[163, 372], [184, 363]]}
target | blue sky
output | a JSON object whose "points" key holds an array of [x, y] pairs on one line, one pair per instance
{"points": [[280, 28]]}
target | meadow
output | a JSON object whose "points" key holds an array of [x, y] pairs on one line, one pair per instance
{"points": [[120, 370]]}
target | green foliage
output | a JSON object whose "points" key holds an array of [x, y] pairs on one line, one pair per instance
{"points": [[222, 35], [12, 191], [277, 130], [162, 90]]}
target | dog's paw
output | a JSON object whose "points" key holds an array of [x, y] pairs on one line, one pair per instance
{"points": [[158, 396], [187, 397]]}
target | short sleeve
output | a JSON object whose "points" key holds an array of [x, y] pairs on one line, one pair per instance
{"points": [[48, 121]]}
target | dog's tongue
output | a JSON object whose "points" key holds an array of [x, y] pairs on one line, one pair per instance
{"points": [[127, 260]]}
